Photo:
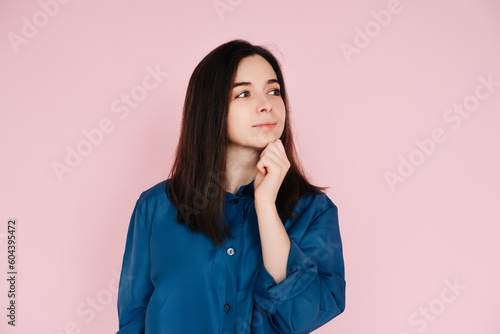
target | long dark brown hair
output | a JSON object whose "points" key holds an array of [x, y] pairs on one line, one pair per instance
{"points": [[197, 177]]}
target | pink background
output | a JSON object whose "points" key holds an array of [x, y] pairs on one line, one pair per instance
{"points": [[356, 116]]}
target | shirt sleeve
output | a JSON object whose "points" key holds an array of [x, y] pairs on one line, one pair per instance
{"points": [[313, 292], [135, 287]]}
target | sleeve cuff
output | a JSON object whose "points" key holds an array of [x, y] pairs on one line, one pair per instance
{"points": [[300, 273]]}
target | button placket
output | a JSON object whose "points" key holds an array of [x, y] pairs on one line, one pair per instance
{"points": [[232, 259]]}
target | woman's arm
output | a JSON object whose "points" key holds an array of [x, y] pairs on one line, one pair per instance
{"points": [[301, 283], [135, 288], [274, 240]]}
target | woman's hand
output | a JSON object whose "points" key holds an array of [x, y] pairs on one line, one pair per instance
{"points": [[273, 166]]}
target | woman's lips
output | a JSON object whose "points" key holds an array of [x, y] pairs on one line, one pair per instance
{"points": [[266, 126]]}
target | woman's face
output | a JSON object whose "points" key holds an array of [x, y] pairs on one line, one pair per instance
{"points": [[256, 115]]}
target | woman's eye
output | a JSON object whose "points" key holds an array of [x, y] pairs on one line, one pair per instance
{"points": [[276, 91], [240, 95]]}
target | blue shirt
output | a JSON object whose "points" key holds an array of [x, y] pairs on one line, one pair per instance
{"points": [[175, 281]]}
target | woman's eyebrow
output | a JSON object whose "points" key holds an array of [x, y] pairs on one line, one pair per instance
{"points": [[245, 83]]}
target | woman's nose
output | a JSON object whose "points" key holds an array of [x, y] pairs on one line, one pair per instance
{"points": [[265, 104]]}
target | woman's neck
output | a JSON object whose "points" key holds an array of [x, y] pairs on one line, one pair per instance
{"points": [[241, 167]]}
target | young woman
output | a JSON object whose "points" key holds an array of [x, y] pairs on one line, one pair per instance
{"points": [[236, 240]]}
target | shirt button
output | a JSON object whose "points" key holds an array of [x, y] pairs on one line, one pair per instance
{"points": [[236, 200], [227, 308], [230, 251]]}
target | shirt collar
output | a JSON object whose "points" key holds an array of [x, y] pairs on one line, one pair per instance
{"points": [[244, 190]]}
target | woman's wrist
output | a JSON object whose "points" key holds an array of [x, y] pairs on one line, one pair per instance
{"points": [[264, 203]]}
